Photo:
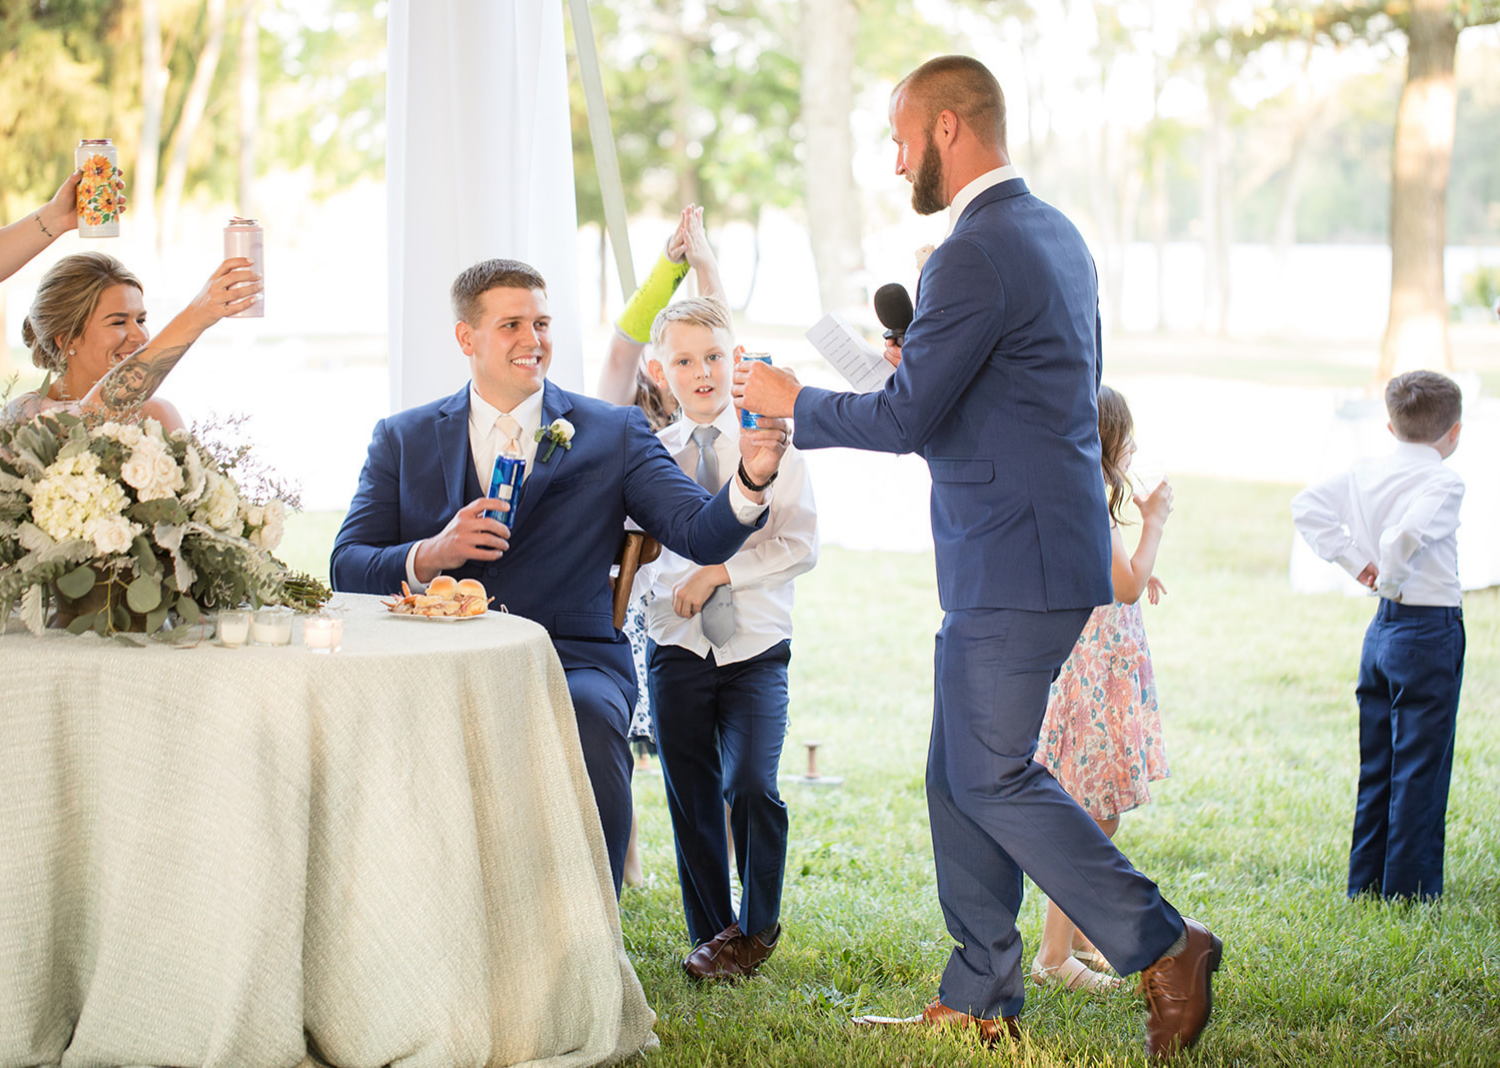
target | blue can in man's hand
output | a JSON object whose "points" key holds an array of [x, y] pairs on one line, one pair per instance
{"points": [[747, 419], [505, 485]]}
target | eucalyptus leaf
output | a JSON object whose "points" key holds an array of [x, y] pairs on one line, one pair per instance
{"points": [[145, 557], [101, 623], [143, 595], [120, 616], [73, 448], [157, 617], [77, 583], [188, 609], [130, 640], [167, 510], [82, 623]]}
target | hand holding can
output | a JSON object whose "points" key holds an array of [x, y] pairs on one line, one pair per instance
{"points": [[100, 186], [244, 238], [747, 419], [505, 485]]}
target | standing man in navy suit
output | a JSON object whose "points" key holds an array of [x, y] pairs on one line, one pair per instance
{"points": [[996, 386], [419, 509]]}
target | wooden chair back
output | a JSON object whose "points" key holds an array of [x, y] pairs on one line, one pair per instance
{"points": [[636, 548]]}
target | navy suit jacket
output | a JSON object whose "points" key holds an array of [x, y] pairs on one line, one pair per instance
{"points": [[570, 516], [998, 389]]}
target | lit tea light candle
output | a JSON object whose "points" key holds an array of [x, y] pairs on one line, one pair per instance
{"points": [[323, 634], [272, 626], [234, 627]]}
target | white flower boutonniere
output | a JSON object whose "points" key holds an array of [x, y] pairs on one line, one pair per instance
{"points": [[922, 254], [559, 433]]}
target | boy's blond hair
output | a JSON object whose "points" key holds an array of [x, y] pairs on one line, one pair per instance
{"points": [[696, 311], [1423, 405]]}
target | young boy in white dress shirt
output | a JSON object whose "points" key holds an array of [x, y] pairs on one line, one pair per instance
{"points": [[719, 644], [1392, 524]]}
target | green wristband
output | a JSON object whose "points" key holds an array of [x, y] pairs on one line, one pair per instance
{"points": [[651, 297]]}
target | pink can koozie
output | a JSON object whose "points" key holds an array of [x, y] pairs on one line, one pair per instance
{"points": [[246, 238]]}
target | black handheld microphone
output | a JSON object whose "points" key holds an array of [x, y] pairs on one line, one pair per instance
{"points": [[893, 309]]}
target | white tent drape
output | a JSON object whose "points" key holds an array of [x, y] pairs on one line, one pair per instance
{"points": [[479, 164]]}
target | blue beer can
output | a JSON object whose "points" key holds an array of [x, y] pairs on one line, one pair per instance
{"points": [[747, 419], [505, 485]]}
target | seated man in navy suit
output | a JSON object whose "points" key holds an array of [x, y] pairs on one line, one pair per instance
{"points": [[997, 388], [420, 508]]}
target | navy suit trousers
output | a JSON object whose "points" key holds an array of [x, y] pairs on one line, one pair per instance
{"points": [[1410, 673], [996, 813], [719, 730], [603, 724]]}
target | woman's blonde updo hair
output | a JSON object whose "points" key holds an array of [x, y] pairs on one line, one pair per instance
{"points": [[66, 300]]}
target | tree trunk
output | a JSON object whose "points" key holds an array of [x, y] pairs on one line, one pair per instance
{"points": [[1218, 208], [187, 127], [828, 42], [1156, 170], [1416, 335], [249, 70], [754, 261], [604, 275], [153, 93], [679, 49]]}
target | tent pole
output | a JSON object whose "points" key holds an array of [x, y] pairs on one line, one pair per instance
{"points": [[603, 138]]}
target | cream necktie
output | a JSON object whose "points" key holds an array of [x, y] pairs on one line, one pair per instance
{"points": [[510, 434]]}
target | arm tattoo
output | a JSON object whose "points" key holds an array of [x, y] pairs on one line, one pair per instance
{"points": [[22, 408], [133, 382]]}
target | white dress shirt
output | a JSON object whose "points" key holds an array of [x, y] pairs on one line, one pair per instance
{"points": [[760, 574], [485, 442], [966, 195], [1399, 513]]}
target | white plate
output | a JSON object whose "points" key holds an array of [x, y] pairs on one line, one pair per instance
{"points": [[437, 619]]}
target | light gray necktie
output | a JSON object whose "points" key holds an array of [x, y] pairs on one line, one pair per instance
{"points": [[718, 610], [707, 474]]}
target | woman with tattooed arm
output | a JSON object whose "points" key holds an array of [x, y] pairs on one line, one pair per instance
{"points": [[87, 328]]}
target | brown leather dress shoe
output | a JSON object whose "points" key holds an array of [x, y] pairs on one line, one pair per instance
{"points": [[731, 954], [1179, 992], [936, 1015]]}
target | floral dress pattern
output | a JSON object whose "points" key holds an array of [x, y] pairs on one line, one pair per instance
{"points": [[635, 630], [1101, 737]]}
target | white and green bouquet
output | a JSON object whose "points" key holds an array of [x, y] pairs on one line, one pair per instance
{"points": [[126, 527]]}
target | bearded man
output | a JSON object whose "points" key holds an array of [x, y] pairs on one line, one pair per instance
{"points": [[996, 386]]}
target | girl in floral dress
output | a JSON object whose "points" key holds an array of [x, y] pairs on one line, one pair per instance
{"points": [[1101, 736]]}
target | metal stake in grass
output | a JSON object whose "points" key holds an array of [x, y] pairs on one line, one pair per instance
{"points": [[812, 778]]}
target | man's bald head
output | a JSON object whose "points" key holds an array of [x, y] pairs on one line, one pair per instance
{"points": [[962, 85]]}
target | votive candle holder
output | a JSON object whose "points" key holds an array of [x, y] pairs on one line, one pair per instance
{"points": [[323, 634], [234, 627]]}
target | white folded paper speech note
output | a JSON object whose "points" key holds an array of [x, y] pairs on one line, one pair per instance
{"points": [[861, 364]]}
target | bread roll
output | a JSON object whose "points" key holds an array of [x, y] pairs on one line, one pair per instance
{"points": [[472, 588], [444, 586]]}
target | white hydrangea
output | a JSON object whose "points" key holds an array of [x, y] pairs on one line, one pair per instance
{"points": [[151, 471], [220, 505], [113, 534], [73, 495]]}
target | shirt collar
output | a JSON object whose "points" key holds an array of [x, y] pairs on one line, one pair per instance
{"points": [[728, 422], [966, 195], [482, 413], [1418, 452]]}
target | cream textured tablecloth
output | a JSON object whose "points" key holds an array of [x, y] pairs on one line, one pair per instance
{"points": [[267, 857]]}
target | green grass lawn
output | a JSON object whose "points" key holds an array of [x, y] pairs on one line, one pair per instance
{"points": [[1250, 834]]}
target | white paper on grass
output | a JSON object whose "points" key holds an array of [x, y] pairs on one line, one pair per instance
{"points": [[861, 364]]}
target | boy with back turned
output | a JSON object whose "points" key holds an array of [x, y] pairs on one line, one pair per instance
{"points": [[1392, 523]]}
